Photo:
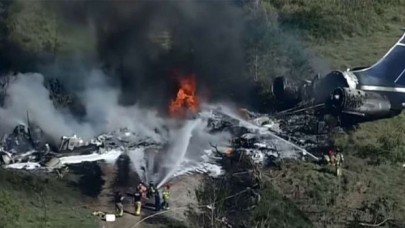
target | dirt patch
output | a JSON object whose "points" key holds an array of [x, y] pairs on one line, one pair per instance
{"points": [[183, 195], [119, 177]]}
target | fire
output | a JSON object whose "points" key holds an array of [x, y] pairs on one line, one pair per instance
{"points": [[186, 99], [229, 151]]}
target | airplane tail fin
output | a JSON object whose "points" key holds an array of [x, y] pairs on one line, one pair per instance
{"points": [[390, 68]]}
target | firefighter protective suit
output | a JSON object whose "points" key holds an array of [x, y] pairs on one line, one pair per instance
{"points": [[119, 207], [166, 197], [339, 164], [137, 202]]}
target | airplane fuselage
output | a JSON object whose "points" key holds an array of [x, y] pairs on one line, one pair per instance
{"points": [[356, 95]]}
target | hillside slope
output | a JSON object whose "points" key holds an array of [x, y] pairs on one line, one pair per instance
{"points": [[283, 37], [349, 34], [30, 201]]}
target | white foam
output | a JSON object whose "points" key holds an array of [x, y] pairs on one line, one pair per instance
{"points": [[109, 156], [24, 165], [212, 170]]}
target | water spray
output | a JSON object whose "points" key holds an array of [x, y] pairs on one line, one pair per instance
{"points": [[178, 149]]}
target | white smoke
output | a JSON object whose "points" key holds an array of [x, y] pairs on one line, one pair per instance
{"points": [[26, 94], [105, 114], [187, 142]]}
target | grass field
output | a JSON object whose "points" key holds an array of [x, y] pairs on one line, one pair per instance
{"points": [[30, 201], [350, 52]]}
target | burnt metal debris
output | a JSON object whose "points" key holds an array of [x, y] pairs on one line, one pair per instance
{"points": [[263, 138]]}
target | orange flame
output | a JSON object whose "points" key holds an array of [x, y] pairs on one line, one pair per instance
{"points": [[229, 151], [186, 100]]}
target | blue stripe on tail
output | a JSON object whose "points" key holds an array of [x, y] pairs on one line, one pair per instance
{"points": [[389, 70]]}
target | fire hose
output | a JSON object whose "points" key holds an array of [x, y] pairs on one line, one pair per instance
{"points": [[209, 206]]}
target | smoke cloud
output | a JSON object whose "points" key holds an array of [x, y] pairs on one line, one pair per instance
{"points": [[26, 94], [146, 45], [141, 49]]}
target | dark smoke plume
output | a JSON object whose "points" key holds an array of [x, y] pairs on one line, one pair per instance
{"points": [[138, 50], [141, 43]]}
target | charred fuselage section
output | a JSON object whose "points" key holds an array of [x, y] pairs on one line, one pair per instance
{"points": [[354, 106], [353, 96], [290, 93], [334, 95], [286, 91]]}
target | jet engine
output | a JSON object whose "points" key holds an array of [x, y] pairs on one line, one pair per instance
{"points": [[286, 91], [368, 105]]}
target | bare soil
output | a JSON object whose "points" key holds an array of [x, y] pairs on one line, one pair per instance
{"points": [[182, 199]]}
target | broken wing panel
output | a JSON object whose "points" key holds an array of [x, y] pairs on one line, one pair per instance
{"points": [[389, 70]]}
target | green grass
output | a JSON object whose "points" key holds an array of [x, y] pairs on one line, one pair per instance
{"points": [[334, 19], [30, 201], [347, 33], [378, 142], [350, 52], [328, 200], [274, 210]]}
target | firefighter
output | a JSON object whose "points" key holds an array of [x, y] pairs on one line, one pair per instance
{"points": [[166, 197], [119, 207], [137, 201], [339, 163], [154, 192], [326, 159], [143, 190], [332, 157], [151, 190], [157, 199]]}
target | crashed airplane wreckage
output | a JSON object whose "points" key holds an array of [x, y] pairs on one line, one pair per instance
{"points": [[258, 136], [353, 96], [26, 145]]}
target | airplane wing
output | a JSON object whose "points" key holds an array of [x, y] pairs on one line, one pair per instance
{"points": [[389, 71]]}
